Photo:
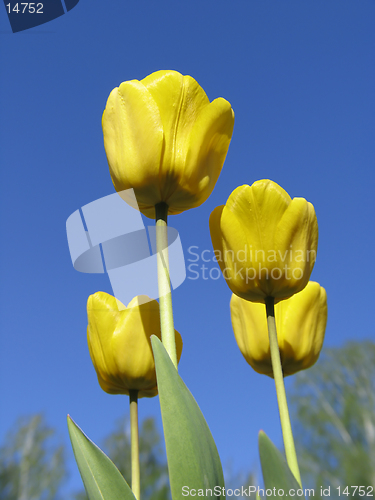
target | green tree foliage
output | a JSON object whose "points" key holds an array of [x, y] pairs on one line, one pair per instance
{"points": [[333, 410], [235, 480], [31, 462], [153, 464], [333, 405]]}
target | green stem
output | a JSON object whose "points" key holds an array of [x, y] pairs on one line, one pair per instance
{"points": [[136, 476], [290, 450], [165, 295]]}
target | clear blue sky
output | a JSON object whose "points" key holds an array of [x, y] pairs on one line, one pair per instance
{"points": [[300, 77]]}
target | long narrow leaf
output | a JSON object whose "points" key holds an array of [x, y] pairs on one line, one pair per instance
{"points": [[276, 474], [100, 476], [193, 460]]}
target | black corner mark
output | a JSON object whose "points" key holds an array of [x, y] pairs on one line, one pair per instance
{"points": [[26, 15]]}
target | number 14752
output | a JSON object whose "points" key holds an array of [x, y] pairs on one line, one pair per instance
{"points": [[361, 491], [31, 8]]}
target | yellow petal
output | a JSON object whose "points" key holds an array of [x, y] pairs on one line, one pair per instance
{"points": [[179, 99], [132, 346], [247, 227], [207, 144], [228, 240], [301, 321], [103, 315], [218, 240], [262, 207], [297, 237], [250, 330], [133, 140]]}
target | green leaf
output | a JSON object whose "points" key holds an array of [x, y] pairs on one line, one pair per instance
{"points": [[276, 473], [100, 476], [193, 460]]}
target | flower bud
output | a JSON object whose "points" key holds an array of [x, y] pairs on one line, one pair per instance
{"points": [[265, 242], [165, 140], [119, 340]]}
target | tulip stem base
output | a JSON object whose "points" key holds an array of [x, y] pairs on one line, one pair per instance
{"points": [[165, 295], [136, 476], [290, 450]]}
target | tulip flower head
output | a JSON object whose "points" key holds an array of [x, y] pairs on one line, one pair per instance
{"points": [[119, 340], [265, 242], [165, 140], [300, 322]]}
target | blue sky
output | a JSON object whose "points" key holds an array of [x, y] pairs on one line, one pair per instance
{"points": [[300, 77]]}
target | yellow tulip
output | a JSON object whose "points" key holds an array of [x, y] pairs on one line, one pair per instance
{"points": [[164, 139], [119, 343], [265, 242], [300, 323]]}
